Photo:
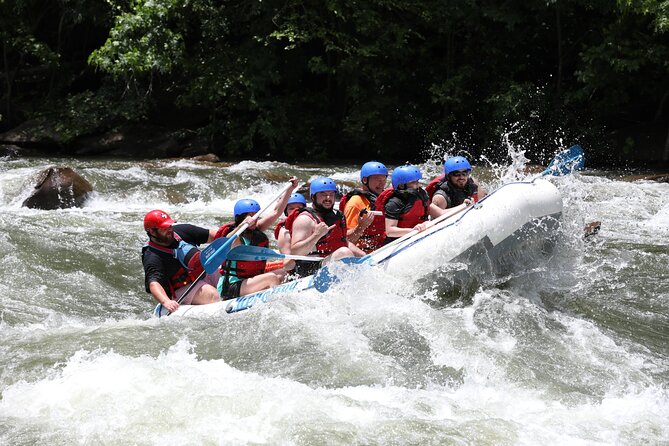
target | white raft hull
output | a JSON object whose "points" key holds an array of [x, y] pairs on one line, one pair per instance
{"points": [[507, 220]]}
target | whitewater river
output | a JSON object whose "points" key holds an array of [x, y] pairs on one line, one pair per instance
{"points": [[572, 352]]}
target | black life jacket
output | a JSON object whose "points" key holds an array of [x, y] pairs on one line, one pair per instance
{"points": [[454, 196]]}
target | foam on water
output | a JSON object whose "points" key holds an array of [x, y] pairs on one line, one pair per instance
{"points": [[571, 351]]}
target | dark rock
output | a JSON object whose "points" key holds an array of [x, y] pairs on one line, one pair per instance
{"points": [[58, 188], [591, 228], [660, 178], [34, 134], [9, 150], [209, 157]]}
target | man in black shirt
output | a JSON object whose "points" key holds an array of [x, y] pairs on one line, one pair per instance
{"points": [[172, 262]]}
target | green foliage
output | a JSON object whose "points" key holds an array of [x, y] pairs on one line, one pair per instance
{"points": [[88, 113], [350, 78], [140, 43]]}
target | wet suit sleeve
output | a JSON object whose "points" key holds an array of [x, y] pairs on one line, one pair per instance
{"points": [[394, 208], [192, 234], [154, 271]]}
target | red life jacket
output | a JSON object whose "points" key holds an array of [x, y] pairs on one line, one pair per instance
{"points": [[278, 227], [244, 269], [330, 242], [420, 206], [375, 234], [190, 269], [433, 185]]}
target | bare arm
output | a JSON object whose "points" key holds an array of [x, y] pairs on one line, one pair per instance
{"points": [[306, 234], [283, 241], [393, 231], [158, 293], [268, 220]]}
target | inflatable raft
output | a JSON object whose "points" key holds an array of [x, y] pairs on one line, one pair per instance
{"points": [[518, 218]]}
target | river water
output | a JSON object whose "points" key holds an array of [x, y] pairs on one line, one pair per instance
{"points": [[571, 351]]}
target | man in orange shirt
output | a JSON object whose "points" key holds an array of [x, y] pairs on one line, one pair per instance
{"points": [[364, 228]]}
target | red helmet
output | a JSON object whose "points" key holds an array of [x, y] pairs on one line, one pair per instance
{"points": [[157, 219]]}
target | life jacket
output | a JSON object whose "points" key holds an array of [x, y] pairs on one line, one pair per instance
{"points": [[375, 234], [189, 258], [277, 229], [417, 199], [243, 269], [330, 242], [455, 195]]}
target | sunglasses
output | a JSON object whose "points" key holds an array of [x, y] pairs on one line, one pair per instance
{"points": [[460, 173]]}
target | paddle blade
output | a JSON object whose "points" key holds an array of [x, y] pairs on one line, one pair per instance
{"points": [[216, 253], [250, 253], [324, 279], [566, 162]]}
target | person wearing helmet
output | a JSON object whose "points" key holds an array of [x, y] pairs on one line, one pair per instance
{"points": [[364, 228], [406, 206], [456, 185], [239, 278], [281, 234], [171, 261], [320, 231]]}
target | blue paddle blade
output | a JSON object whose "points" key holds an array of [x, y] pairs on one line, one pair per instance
{"points": [[566, 162], [249, 253], [324, 279], [216, 253]]}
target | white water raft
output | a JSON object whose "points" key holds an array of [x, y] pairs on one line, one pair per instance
{"points": [[518, 218]]}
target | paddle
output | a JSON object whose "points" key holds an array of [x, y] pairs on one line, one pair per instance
{"points": [[563, 163], [566, 162], [216, 253], [250, 253]]}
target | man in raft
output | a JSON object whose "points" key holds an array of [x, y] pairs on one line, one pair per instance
{"points": [[364, 228], [320, 231], [239, 278], [455, 185], [281, 234], [171, 261], [406, 206]]}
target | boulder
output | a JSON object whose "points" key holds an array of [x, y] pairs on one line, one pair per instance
{"points": [[58, 188], [208, 157]]}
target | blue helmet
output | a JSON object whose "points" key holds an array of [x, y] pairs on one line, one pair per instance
{"points": [[372, 168], [456, 163], [321, 184], [405, 174], [297, 198], [245, 206]]}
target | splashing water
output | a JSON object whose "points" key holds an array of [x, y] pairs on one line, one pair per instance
{"points": [[570, 351]]}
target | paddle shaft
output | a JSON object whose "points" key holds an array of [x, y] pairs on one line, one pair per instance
{"points": [[236, 233], [251, 253]]}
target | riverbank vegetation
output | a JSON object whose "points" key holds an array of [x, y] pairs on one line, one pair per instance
{"points": [[341, 79]]}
